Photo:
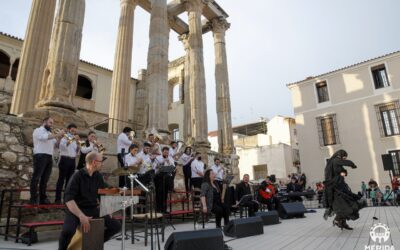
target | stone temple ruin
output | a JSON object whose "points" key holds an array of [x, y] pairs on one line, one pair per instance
{"points": [[46, 82]]}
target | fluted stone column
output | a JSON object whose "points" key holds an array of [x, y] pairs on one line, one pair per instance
{"points": [[157, 67], [61, 73], [225, 136], [197, 85], [35, 50], [118, 112], [187, 127]]}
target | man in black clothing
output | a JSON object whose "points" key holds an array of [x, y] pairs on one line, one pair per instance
{"points": [[293, 186], [242, 189], [81, 200]]}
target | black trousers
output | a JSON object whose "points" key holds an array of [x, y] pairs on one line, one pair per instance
{"points": [[251, 206], [272, 203], [187, 172], [220, 184], [221, 211], [161, 182], [123, 180], [66, 168], [196, 182], [71, 222], [42, 165]]}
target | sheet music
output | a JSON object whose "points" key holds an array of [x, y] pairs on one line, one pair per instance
{"points": [[112, 203]]}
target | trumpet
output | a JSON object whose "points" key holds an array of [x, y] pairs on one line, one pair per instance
{"points": [[99, 146], [70, 138]]}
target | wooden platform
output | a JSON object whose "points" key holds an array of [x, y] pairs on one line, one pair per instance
{"points": [[311, 232]]}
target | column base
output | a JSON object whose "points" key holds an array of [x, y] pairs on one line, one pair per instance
{"points": [[56, 104], [62, 117]]}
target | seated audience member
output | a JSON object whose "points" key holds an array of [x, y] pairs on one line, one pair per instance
{"points": [[293, 186]]}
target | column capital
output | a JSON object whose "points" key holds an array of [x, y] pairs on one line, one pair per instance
{"points": [[184, 38], [219, 25], [129, 2], [195, 5]]}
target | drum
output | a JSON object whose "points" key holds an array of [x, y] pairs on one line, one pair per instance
{"points": [[93, 240]]}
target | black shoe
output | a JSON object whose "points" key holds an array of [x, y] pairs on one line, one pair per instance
{"points": [[45, 202], [346, 226], [327, 213]]}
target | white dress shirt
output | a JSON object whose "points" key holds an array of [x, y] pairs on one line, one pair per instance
{"points": [[147, 162], [86, 150], [185, 159], [161, 161], [172, 151], [123, 142], [219, 172], [131, 160], [41, 142], [197, 166], [69, 150]]}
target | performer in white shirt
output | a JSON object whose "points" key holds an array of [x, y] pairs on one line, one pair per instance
{"points": [[43, 147], [123, 144], [173, 150], [186, 160], [69, 149], [198, 169], [131, 159], [162, 180], [88, 147], [219, 172], [147, 159]]}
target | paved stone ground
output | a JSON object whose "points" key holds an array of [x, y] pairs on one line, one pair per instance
{"points": [[311, 232]]}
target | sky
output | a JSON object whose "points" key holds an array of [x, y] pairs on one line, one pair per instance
{"points": [[270, 43]]}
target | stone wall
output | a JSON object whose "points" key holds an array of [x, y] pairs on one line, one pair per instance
{"points": [[15, 153], [5, 102]]}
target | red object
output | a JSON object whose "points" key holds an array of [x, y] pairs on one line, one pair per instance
{"points": [[43, 223], [179, 212], [268, 193], [395, 184]]}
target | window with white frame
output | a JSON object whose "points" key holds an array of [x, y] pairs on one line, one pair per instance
{"points": [[388, 115], [328, 130], [380, 77], [322, 91]]}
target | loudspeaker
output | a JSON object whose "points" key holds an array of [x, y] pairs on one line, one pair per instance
{"points": [[269, 218], [291, 209], [387, 162], [196, 240], [245, 227]]}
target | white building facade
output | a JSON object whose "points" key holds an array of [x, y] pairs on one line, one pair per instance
{"points": [[356, 109], [265, 148]]}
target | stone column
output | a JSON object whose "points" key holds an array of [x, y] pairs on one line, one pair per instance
{"points": [[225, 136], [187, 127], [140, 117], [122, 69], [197, 85], [35, 50], [157, 67], [61, 73]]}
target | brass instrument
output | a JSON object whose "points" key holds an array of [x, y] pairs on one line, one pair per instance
{"points": [[100, 147], [82, 143]]}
